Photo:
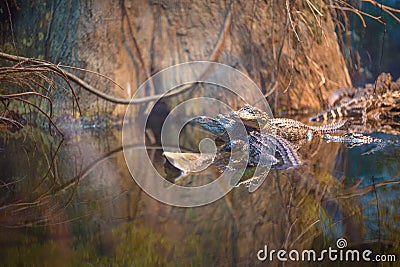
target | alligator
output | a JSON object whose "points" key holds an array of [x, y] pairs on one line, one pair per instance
{"points": [[218, 126], [352, 139], [289, 129], [264, 150], [359, 139], [254, 119], [365, 103], [260, 143], [384, 125], [285, 152], [360, 107], [343, 95]]}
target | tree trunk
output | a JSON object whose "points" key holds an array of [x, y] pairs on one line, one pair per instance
{"points": [[130, 41]]}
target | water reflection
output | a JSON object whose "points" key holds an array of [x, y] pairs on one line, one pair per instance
{"points": [[74, 202]]}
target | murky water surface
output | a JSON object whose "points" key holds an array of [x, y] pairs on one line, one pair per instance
{"points": [[73, 202]]}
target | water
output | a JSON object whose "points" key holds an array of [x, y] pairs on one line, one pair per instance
{"points": [[373, 48], [74, 203]]}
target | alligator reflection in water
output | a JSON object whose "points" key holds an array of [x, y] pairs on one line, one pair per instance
{"points": [[266, 142], [358, 139], [103, 217], [264, 150], [268, 149]]}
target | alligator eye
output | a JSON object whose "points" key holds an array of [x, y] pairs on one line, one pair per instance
{"points": [[309, 135]]}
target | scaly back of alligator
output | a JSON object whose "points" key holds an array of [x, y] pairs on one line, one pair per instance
{"points": [[354, 108], [289, 129], [294, 130], [384, 94]]}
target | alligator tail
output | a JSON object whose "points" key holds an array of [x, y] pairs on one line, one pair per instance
{"points": [[329, 128], [333, 113]]}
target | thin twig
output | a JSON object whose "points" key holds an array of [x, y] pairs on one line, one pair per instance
{"points": [[355, 11], [11, 25], [12, 121], [92, 72], [380, 5], [311, 5], [41, 63], [51, 122], [290, 19]]}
